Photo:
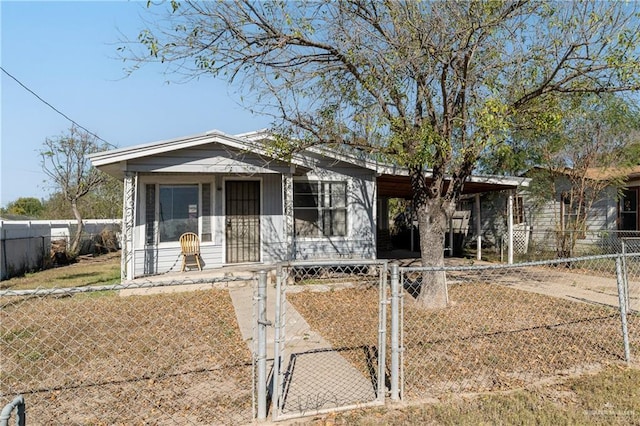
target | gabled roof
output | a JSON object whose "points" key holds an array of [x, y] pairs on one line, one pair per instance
{"points": [[149, 149], [476, 183], [391, 178]]}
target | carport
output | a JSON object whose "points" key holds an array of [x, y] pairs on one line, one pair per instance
{"points": [[396, 183]]}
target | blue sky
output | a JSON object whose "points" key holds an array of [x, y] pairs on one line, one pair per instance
{"points": [[66, 53]]}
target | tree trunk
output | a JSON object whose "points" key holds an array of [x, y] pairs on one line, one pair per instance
{"points": [[432, 220], [75, 243]]}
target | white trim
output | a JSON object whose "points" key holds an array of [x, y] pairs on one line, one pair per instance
{"points": [[348, 207], [157, 181]]}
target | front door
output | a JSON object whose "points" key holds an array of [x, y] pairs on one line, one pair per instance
{"points": [[242, 210]]}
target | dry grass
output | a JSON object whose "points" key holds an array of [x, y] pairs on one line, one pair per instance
{"points": [[179, 358], [608, 397], [497, 355], [100, 270], [104, 359], [491, 337]]}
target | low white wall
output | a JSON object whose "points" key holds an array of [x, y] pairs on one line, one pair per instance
{"points": [[25, 244]]}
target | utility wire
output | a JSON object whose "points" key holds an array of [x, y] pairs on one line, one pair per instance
{"points": [[55, 109]]}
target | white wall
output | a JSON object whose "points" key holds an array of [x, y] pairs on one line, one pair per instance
{"points": [[25, 244]]}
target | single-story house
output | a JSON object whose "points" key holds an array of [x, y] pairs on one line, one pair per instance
{"points": [[613, 215], [248, 206]]}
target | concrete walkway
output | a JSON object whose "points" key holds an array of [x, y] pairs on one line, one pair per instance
{"points": [[317, 377], [576, 286]]}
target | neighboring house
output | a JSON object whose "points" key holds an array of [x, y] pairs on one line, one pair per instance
{"points": [[248, 206], [613, 215]]}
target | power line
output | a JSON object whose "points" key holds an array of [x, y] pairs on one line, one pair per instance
{"points": [[54, 108]]}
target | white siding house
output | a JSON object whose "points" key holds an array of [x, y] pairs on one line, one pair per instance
{"points": [[246, 205]]}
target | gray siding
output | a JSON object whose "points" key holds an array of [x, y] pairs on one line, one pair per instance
{"points": [[274, 244], [543, 220], [214, 164], [211, 158], [361, 234], [158, 260]]}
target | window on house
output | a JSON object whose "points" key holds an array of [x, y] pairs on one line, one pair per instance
{"points": [[320, 208], [573, 215], [150, 213], [629, 210], [172, 210], [518, 210]]}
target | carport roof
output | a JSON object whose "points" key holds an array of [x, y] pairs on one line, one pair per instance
{"points": [[399, 185]]}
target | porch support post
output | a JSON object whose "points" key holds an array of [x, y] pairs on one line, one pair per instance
{"points": [[478, 227], [451, 236], [510, 227], [128, 225], [287, 187]]}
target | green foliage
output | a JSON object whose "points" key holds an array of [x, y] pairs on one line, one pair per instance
{"points": [[581, 157], [25, 206], [423, 84], [105, 202]]}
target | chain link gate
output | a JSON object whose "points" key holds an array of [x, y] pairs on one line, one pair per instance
{"points": [[322, 362]]}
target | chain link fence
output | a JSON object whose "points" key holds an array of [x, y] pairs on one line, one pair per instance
{"points": [[537, 244], [509, 326], [182, 351], [143, 353]]}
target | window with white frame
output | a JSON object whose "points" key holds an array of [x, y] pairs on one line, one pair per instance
{"points": [[320, 208], [173, 209]]}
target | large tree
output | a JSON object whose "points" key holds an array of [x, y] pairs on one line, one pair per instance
{"points": [[431, 86], [65, 160]]}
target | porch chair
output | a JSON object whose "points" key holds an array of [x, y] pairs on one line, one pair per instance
{"points": [[190, 245]]}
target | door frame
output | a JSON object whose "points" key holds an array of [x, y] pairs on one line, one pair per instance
{"points": [[224, 214]]}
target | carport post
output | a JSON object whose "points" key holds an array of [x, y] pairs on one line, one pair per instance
{"points": [[261, 357], [478, 227], [510, 227], [395, 333]]}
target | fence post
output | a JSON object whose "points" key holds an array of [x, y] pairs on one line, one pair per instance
{"points": [[382, 330], [277, 365], [395, 333], [623, 309], [625, 277], [18, 404], [262, 345]]}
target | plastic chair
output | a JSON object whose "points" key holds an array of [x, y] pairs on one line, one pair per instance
{"points": [[190, 245]]}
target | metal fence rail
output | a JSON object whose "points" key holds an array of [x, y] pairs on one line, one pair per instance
{"points": [[127, 354], [539, 244], [507, 326]]}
